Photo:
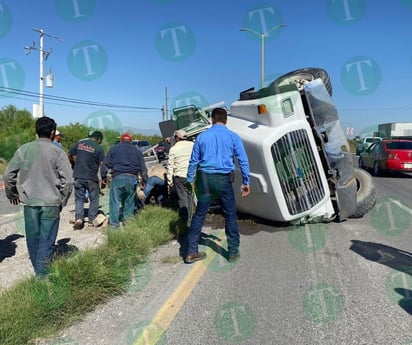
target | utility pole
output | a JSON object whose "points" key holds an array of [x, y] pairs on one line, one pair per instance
{"points": [[44, 54], [166, 108]]}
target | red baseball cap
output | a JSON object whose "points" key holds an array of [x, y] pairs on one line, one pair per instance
{"points": [[126, 137]]}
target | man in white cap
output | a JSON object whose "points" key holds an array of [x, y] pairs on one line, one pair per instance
{"points": [[179, 155], [58, 139]]}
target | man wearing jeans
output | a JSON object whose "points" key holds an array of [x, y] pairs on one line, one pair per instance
{"points": [[87, 156], [212, 164], [40, 177], [125, 162]]}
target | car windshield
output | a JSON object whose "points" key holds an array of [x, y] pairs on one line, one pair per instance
{"points": [[399, 145]]}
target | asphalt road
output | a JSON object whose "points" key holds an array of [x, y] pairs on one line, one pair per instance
{"points": [[337, 283]]}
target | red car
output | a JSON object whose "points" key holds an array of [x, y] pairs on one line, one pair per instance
{"points": [[162, 150], [388, 155]]}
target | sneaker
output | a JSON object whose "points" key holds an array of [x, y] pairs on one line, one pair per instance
{"points": [[191, 258], [78, 224], [233, 258]]}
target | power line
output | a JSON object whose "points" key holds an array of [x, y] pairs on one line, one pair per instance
{"points": [[73, 100]]}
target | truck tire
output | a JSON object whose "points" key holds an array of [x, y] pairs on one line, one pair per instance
{"points": [[366, 195], [300, 76]]}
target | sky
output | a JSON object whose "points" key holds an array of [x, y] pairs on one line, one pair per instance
{"points": [[117, 64]]}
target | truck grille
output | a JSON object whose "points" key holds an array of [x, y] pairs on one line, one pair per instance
{"points": [[297, 171]]}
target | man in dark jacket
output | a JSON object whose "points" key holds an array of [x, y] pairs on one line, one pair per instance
{"points": [[88, 156], [125, 162]]}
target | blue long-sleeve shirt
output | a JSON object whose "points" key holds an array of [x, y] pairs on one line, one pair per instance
{"points": [[214, 152]]}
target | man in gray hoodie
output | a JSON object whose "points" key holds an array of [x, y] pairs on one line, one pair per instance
{"points": [[40, 177]]}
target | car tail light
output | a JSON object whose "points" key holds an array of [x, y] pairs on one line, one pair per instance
{"points": [[393, 155]]}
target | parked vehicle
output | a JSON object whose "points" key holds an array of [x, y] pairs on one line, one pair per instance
{"points": [[388, 155], [162, 150], [301, 167], [365, 143], [142, 145]]}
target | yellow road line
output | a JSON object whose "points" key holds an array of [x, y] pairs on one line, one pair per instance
{"points": [[163, 318]]}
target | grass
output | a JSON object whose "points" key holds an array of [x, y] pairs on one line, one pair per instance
{"points": [[77, 283]]}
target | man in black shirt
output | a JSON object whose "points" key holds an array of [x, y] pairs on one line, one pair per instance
{"points": [[88, 156]]}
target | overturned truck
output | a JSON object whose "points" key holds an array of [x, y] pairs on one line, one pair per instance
{"points": [[301, 167]]}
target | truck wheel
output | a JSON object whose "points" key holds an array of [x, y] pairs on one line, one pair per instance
{"points": [[300, 76], [366, 195]]}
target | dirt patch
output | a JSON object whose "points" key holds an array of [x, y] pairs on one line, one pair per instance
{"points": [[14, 258]]}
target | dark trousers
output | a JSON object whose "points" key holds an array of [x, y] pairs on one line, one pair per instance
{"points": [[185, 200], [209, 187], [41, 226], [80, 189]]}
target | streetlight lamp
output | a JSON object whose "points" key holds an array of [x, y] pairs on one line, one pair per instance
{"points": [[262, 38]]}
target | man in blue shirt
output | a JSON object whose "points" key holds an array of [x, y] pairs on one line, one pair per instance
{"points": [[125, 162], [212, 166]]}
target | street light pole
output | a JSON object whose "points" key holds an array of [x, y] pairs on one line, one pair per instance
{"points": [[262, 39]]}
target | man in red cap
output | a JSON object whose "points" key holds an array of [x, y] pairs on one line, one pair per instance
{"points": [[125, 162]]}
